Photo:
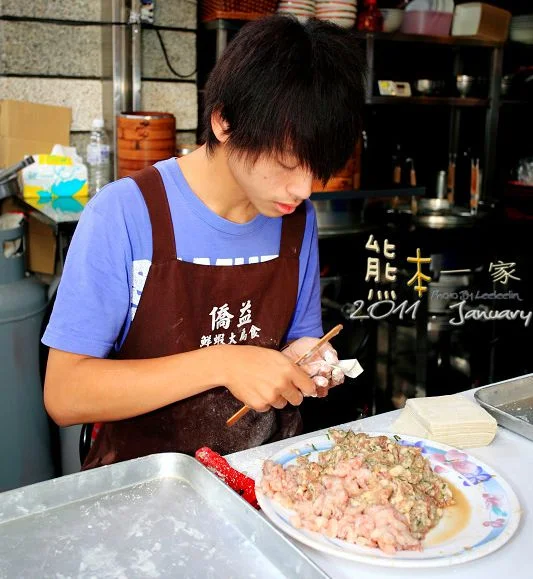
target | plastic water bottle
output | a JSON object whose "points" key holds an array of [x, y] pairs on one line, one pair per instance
{"points": [[98, 158]]}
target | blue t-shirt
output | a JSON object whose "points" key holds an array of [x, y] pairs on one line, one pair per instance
{"points": [[111, 250]]}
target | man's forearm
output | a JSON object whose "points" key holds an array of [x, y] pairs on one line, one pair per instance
{"points": [[82, 389]]}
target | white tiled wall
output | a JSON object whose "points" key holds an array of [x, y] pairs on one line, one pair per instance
{"points": [[60, 62]]}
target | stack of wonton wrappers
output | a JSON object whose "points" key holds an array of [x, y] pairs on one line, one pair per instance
{"points": [[454, 420]]}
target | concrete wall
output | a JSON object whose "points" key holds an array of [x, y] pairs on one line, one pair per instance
{"points": [[51, 52]]}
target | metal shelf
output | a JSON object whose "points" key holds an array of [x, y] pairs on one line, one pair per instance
{"points": [[515, 102], [428, 100], [445, 40], [368, 193], [491, 105], [226, 24], [59, 212], [356, 229], [520, 45]]}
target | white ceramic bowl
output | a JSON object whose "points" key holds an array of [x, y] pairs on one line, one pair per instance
{"points": [[525, 36], [336, 3], [348, 10], [392, 19], [288, 6], [343, 22]]}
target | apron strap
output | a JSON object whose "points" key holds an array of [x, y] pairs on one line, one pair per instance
{"points": [[151, 185], [153, 190], [292, 232]]}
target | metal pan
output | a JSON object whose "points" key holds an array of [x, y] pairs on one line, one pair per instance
{"points": [[9, 187], [14, 169], [511, 403], [163, 515]]}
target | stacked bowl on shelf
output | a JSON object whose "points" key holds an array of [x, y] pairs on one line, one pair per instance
{"points": [[521, 29], [301, 9], [340, 12]]}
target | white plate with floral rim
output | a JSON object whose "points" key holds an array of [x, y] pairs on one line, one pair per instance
{"points": [[485, 517]]}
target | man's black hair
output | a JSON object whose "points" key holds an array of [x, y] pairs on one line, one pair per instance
{"points": [[289, 88]]}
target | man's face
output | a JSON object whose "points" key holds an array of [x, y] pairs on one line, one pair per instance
{"points": [[274, 185]]}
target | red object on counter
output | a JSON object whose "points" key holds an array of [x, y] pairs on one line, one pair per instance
{"points": [[370, 18], [217, 464]]}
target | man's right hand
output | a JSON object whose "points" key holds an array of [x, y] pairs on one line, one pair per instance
{"points": [[263, 378], [81, 388]]}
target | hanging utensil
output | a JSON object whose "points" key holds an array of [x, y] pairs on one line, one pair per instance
{"points": [[331, 334], [9, 187], [396, 175], [412, 182], [441, 186], [474, 186], [451, 179], [10, 171]]}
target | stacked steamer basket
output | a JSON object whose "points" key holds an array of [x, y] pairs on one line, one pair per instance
{"points": [[301, 9], [236, 9], [347, 179], [340, 12], [143, 138], [340, 212]]}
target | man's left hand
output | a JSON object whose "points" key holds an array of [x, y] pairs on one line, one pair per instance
{"points": [[317, 366]]}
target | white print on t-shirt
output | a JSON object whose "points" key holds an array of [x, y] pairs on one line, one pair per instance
{"points": [[140, 268], [221, 318], [232, 260]]}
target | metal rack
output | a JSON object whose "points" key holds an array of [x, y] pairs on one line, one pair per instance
{"points": [[492, 103], [457, 105]]}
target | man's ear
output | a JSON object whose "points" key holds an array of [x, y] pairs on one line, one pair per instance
{"points": [[220, 127]]}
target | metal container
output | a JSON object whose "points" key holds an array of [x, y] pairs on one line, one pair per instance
{"points": [[448, 217], [429, 205], [9, 183], [444, 221], [427, 86], [511, 403], [336, 214], [9, 187], [441, 185], [464, 84], [445, 292], [163, 515], [25, 447]]}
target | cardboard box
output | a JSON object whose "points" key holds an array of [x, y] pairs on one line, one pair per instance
{"points": [[480, 20], [13, 150], [45, 246], [35, 122], [41, 247]]}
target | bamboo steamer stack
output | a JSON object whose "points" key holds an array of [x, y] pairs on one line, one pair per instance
{"points": [[236, 9], [348, 178], [143, 138]]}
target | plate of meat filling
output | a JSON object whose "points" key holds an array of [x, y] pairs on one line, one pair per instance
{"points": [[388, 500]]}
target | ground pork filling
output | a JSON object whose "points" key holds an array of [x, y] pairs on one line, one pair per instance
{"points": [[366, 490]]}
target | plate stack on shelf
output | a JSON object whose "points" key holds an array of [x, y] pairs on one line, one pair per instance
{"points": [[301, 9], [340, 12], [522, 29]]}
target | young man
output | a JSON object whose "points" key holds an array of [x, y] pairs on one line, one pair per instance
{"points": [[182, 283]]}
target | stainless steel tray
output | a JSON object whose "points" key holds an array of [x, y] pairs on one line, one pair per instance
{"points": [[511, 403], [163, 515]]}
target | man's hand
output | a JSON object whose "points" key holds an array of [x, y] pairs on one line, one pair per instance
{"points": [[263, 378]]}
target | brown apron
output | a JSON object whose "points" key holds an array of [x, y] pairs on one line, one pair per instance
{"points": [[185, 306]]}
